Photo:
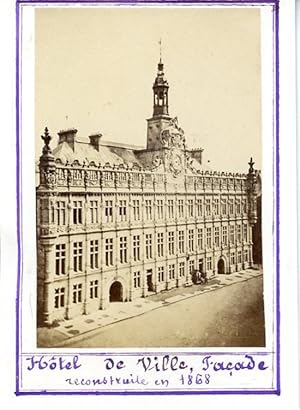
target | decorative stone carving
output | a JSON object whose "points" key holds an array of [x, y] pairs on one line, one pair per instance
{"points": [[173, 136], [176, 162], [156, 161], [49, 178]]}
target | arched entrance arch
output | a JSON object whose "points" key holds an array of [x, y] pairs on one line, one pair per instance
{"points": [[116, 292], [221, 266]]}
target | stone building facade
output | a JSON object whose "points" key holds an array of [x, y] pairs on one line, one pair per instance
{"points": [[117, 222]]}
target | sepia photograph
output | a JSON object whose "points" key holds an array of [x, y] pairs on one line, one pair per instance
{"points": [[148, 166]]}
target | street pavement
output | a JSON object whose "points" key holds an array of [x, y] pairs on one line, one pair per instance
{"points": [[219, 313]]}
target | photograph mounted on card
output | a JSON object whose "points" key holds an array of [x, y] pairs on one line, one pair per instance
{"points": [[148, 152]]}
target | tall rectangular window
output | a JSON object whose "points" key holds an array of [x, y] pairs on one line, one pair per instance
{"points": [[208, 207], [160, 274], [208, 237], [191, 240], [171, 242], [94, 254], [136, 209], [77, 212], [245, 233], [209, 263], [77, 293], [180, 208], [190, 208], [191, 267], [244, 205], [136, 248], [77, 256], [94, 289], [216, 206], [109, 251], [160, 209], [217, 236], [200, 238], [122, 210], [181, 241], [224, 207], [59, 298], [232, 258], [239, 256], [148, 208], [148, 247], [108, 210], [170, 208], [61, 213], [246, 255], [172, 271], [224, 235], [181, 269], [94, 212], [231, 206], [199, 207], [238, 206], [231, 234], [123, 249], [136, 280], [239, 233], [160, 244], [60, 259]]}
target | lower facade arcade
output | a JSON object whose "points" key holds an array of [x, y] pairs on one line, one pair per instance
{"points": [[84, 293]]}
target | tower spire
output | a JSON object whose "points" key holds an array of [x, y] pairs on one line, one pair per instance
{"points": [[160, 89], [160, 118]]}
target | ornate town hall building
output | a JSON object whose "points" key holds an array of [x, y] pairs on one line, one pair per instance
{"points": [[116, 222]]}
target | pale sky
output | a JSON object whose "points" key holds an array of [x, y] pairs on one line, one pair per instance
{"points": [[95, 68]]}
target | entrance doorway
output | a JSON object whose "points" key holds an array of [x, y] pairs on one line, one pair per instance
{"points": [[221, 266], [116, 292], [149, 281]]}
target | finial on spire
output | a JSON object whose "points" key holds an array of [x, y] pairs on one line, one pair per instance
{"points": [[46, 138], [160, 50], [251, 163]]}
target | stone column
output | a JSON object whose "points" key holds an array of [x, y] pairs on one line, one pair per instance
{"points": [[48, 306]]}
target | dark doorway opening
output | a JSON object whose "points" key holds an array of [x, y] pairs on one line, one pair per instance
{"points": [[221, 266], [116, 292], [149, 281]]}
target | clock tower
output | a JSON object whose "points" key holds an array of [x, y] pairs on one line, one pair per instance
{"points": [[160, 118]]}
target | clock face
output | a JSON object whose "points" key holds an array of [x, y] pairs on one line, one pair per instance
{"points": [[176, 162]]}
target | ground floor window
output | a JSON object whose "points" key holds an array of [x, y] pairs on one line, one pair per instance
{"points": [[239, 256], [59, 298], [77, 293], [181, 269], [246, 255], [172, 271], [94, 285], [161, 274], [191, 266], [232, 258], [209, 263], [136, 279]]}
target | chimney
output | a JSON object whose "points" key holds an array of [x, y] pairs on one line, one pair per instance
{"points": [[197, 154], [68, 136], [95, 140]]}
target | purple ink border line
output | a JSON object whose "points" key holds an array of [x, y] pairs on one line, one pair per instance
{"points": [[275, 4]]}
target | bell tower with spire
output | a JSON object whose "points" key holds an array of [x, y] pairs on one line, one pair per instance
{"points": [[160, 118]]}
